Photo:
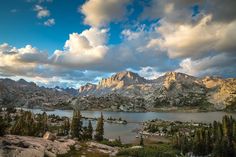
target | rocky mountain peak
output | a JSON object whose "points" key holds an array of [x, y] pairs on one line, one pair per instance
{"points": [[122, 79], [171, 77], [125, 74], [87, 88], [23, 82], [177, 75]]}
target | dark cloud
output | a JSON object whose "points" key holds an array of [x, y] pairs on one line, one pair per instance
{"points": [[224, 11]]}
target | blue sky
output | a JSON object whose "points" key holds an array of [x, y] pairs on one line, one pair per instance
{"points": [[71, 42], [22, 27]]}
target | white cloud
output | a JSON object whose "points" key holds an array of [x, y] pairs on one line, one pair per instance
{"points": [[49, 22], [99, 12], [149, 73], [41, 11], [20, 61], [195, 40], [221, 64], [130, 35], [86, 48]]}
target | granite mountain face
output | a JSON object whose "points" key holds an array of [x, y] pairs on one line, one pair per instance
{"points": [[127, 91]]}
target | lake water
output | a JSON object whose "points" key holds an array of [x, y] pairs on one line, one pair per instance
{"points": [[126, 132]]}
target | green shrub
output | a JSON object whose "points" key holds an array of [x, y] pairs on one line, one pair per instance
{"points": [[162, 150]]}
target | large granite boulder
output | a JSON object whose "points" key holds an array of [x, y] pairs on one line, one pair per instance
{"points": [[49, 136]]}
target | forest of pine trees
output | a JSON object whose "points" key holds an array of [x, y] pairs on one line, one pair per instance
{"points": [[29, 124], [219, 139]]}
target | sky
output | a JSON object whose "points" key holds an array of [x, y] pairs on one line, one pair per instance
{"points": [[68, 43]]}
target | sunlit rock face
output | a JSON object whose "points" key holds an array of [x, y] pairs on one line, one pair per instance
{"points": [[124, 83], [172, 89], [121, 79], [221, 92]]}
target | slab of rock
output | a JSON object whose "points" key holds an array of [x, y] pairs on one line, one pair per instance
{"points": [[112, 151], [25, 146]]}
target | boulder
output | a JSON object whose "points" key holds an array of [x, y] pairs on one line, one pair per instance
{"points": [[49, 136]]}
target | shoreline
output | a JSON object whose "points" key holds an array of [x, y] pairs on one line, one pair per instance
{"points": [[157, 110]]}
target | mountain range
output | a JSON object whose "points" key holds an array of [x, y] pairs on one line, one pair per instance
{"points": [[127, 91]]}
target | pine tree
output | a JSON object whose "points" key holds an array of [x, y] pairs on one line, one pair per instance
{"points": [[208, 142], [119, 140], [234, 131], [76, 125], [99, 129], [215, 128], [85, 133], [66, 126], [3, 126], [141, 143], [90, 130], [45, 122]]}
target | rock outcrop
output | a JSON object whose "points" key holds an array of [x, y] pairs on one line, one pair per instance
{"points": [[24, 146]]}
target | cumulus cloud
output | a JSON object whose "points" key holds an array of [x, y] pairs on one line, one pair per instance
{"points": [[33, 65], [204, 43], [181, 11], [133, 52], [149, 73], [99, 12], [196, 40], [86, 48], [20, 61], [221, 64], [49, 22], [41, 11], [170, 10]]}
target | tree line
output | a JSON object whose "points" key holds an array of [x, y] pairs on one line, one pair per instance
{"points": [[217, 139], [28, 124]]}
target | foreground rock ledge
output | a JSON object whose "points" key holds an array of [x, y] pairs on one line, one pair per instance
{"points": [[25, 146]]}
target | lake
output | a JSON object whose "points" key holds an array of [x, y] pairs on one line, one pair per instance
{"points": [[126, 132]]}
